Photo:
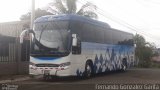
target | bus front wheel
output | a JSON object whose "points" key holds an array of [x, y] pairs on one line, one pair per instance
{"points": [[88, 69], [46, 77]]}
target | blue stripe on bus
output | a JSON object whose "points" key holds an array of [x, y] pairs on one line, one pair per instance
{"points": [[46, 58]]}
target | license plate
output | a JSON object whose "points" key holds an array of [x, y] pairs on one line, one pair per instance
{"points": [[47, 72]]}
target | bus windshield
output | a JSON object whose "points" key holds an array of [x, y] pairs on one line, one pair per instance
{"points": [[51, 38]]}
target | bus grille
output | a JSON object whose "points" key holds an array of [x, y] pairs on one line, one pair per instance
{"points": [[47, 65]]}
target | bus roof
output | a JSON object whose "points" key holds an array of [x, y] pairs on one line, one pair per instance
{"points": [[70, 17], [74, 17]]}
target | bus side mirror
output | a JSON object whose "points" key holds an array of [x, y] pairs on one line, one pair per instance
{"points": [[74, 40], [76, 44], [135, 45], [25, 35]]}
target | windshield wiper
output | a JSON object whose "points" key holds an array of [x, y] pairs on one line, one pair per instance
{"points": [[42, 32]]}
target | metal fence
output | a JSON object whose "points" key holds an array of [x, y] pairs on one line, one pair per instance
{"points": [[13, 56], [7, 49]]}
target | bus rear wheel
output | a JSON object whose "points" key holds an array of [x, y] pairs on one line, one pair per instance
{"points": [[88, 69], [124, 65]]}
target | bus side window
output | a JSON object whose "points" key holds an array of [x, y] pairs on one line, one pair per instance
{"points": [[108, 36], [76, 27], [116, 37], [88, 33], [99, 35]]}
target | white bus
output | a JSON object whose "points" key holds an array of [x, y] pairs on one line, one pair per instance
{"points": [[72, 45]]}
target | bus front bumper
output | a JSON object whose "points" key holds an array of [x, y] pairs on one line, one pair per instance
{"points": [[51, 71]]}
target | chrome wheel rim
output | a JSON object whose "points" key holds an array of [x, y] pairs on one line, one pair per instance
{"points": [[124, 67], [88, 71]]}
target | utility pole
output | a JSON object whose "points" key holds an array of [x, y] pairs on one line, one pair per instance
{"points": [[32, 13]]}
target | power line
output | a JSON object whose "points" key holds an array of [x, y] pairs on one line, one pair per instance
{"points": [[121, 22]]}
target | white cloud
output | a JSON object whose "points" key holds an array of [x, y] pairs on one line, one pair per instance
{"points": [[142, 14]]}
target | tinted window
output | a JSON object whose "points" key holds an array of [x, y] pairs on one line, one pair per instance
{"points": [[88, 33], [108, 36], [93, 33], [115, 36], [122, 38], [57, 25], [99, 37], [76, 27]]}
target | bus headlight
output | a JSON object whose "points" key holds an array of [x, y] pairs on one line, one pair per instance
{"points": [[32, 66], [65, 64]]}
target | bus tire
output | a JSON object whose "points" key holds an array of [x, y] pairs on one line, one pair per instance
{"points": [[46, 77], [88, 69], [124, 65]]}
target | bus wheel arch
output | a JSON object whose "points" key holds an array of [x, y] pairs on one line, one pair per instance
{"points": [[88, 72]]}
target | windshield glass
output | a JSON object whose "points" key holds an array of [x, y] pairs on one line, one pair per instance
{"points": [[51, 37]]}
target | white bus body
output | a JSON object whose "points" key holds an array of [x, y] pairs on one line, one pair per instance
{"points": [[104, 48]]}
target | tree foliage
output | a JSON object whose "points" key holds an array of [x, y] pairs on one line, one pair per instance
{"points": [[38, 13], [70, 7], [144, 51], [64, 7]]}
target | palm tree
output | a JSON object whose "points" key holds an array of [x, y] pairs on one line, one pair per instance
{"points": [[70, 7]]}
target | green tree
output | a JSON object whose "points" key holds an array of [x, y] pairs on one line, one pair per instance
{"points": [[139, 40], [144, 51], [70, 7]]}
